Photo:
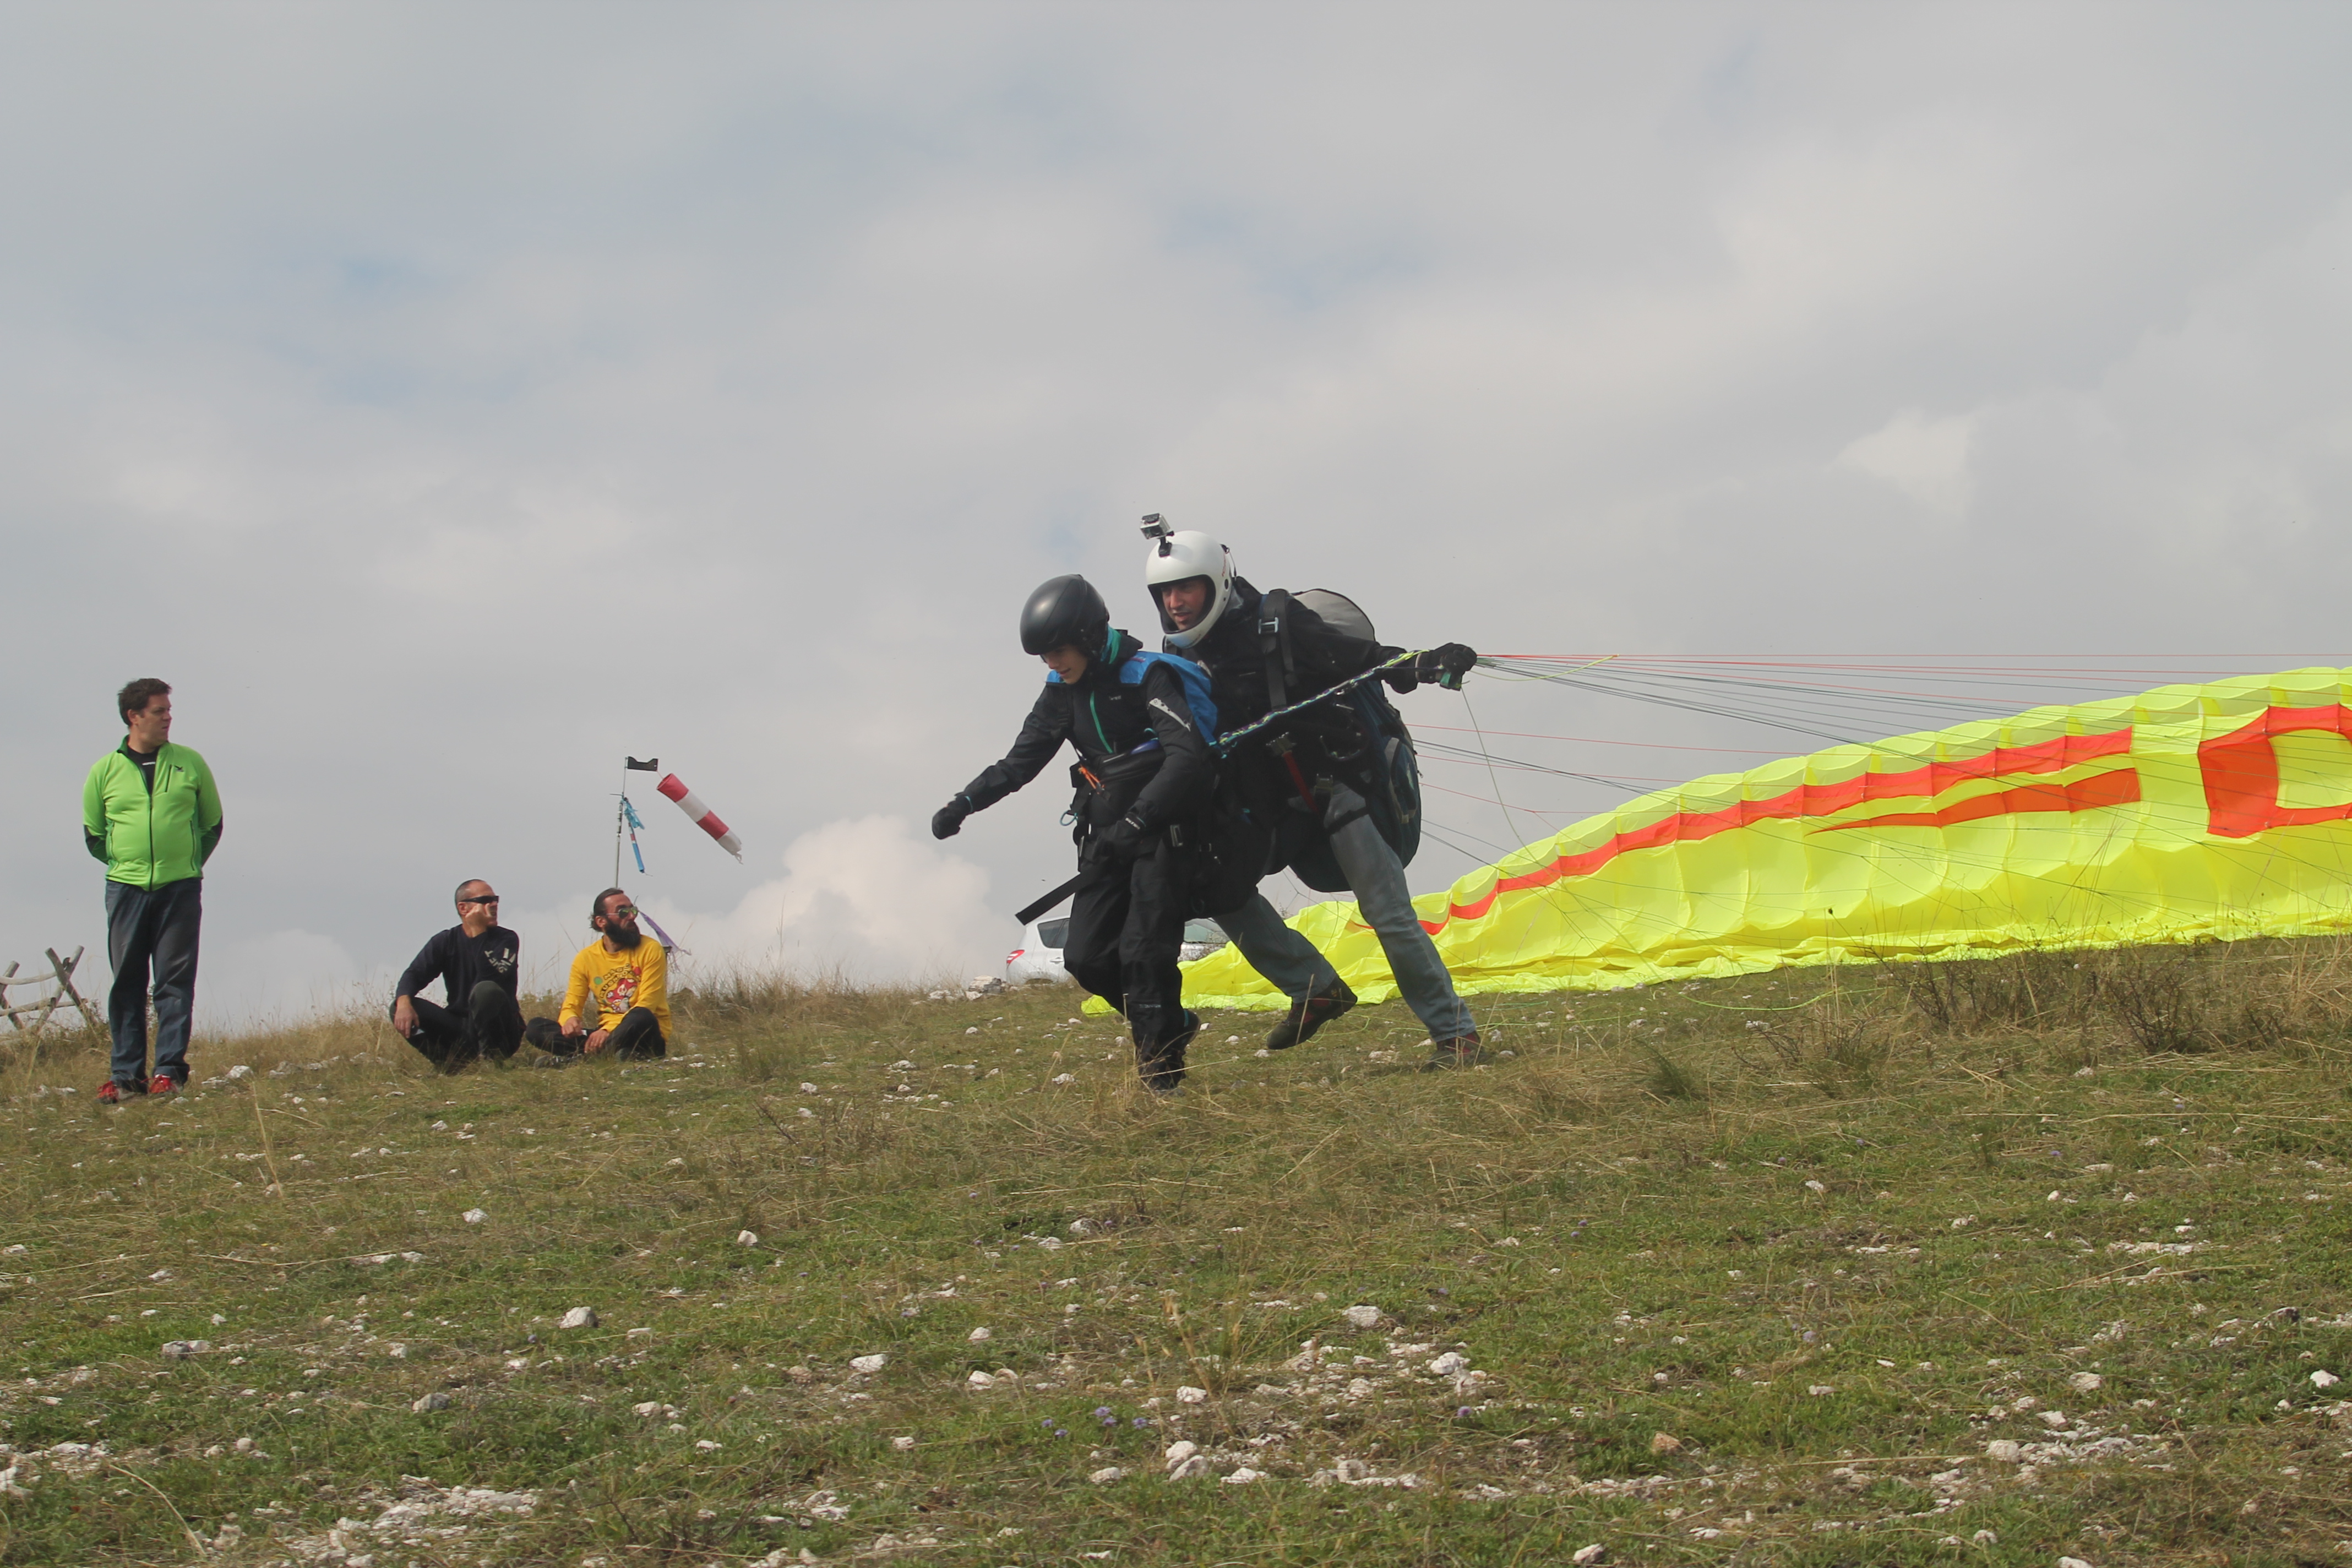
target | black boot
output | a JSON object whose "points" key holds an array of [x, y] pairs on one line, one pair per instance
{"points": [[1159, 1048]]}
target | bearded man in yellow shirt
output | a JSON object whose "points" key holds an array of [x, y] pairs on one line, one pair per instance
{"points": [[621, 983]]}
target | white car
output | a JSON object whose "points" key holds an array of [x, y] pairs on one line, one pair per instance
{"points": [[1039, 956]]}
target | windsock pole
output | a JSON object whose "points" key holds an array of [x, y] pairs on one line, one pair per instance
{"points": [[702, 816], [621, 822]]}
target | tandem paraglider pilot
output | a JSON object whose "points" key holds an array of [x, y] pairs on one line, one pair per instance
{"points": [[617, 1001], [1315, 751], [1139, 722]]}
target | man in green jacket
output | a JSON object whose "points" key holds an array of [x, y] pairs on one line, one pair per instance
{"points": [[151, 814]]}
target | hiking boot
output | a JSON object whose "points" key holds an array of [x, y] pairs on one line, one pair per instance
{"points": [[1161, 1064], [164, 1083], [1463, 1051], [1306, 1018], [116, 1090]]}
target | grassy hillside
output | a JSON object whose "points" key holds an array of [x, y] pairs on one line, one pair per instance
{"points": [[1983, 1263]]}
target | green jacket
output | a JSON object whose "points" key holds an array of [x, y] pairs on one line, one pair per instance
{"points": [[149, 840]]}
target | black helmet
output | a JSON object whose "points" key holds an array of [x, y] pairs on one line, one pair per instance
{"points": [[1064, 610]]}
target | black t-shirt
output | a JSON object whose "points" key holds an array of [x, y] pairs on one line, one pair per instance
{"points": [[462, 963]]}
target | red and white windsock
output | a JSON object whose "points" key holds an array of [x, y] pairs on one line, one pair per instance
{"points": [[704, 817]]}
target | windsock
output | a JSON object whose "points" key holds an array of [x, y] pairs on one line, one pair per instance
{"points": [[704, 817]]}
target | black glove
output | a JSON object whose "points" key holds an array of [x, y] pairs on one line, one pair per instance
{"points": [[1446, 664], [947, 821], [1125, 840]]}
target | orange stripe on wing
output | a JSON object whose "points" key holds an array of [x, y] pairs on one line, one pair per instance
{"points": [[2119, 786], [2049, 756]]}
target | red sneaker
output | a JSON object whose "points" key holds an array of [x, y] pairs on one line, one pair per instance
{"points": [[164, 1084], [115, 1093]]}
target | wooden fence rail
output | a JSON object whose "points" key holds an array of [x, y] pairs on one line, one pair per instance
{"points": [[51, 992]]}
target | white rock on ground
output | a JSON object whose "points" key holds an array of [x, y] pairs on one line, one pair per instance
{"points": [[902, 1444], [1198, 1465], [474, 1216], [1244, 1477], [1362, 1317], [2085, 1382], [434, 1401], [868, 1363], [1188, 1395], [1584, 1556], [183, 1350], [2071, 1563], [1448, 1364], [981, 1336], [1180, 1451], [1107, 1475], [747, 1238], [2325, 1380], [240, 1073], [580, 1317], [2004, 1451], [980, 1380]]}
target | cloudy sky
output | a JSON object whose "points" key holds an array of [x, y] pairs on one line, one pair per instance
{"points": [[450, 399]]}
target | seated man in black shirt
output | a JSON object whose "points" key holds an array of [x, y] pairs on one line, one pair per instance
{"points": [[478, 962]]}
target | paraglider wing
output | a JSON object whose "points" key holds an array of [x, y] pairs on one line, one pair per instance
{"points": [[2182, 814]]}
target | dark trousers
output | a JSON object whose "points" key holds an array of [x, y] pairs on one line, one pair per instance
{"points": [[636, 1037], [153, 929], [1127, 930], [488, 1025]]}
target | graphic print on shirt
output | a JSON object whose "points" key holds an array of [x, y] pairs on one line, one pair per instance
{"points": [[501, 960], [617, 992]]}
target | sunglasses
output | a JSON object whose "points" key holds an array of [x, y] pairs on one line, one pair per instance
{"points": [[622, 912], [491, 899]]}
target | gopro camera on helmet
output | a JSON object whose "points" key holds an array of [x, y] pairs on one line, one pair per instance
{"points": [[1156, 527]]}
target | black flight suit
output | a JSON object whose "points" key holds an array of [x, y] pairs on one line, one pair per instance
{"points": [[1327, 740], [1143, 765]]}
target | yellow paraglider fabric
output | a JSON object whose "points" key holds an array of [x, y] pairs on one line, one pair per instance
{"points": [[2182, 814]]}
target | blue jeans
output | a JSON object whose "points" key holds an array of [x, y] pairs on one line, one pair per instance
{"points": [[153, 929], [1290, 962]]}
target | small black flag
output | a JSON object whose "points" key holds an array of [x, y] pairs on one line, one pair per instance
{"points": [[651, 765]]}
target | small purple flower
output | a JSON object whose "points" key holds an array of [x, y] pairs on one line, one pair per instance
{"points": [[1102, 1411], [1060, 1434], [1142, 1422], [1461, 1413], [1047, 1422]]}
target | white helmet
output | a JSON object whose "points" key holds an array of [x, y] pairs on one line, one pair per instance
{"points": [[1177, 557]]}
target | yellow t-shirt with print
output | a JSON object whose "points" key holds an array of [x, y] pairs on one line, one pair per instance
{"points": [[615, 982]]}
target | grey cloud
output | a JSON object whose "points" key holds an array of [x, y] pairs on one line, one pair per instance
{"points": [[451, 401]]}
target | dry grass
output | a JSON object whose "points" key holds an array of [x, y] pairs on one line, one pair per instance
{"points": [[1652, 1217]]}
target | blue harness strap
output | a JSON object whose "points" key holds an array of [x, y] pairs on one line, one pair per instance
{"points": [[1195, 682], [1134, 666]]}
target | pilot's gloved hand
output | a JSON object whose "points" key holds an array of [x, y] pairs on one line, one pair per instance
{"points": [[1446, 664], [947, 821], [1126, 840]]}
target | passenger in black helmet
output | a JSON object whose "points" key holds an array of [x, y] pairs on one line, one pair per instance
{"points": [[1317, 775], [1141, 724]]}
